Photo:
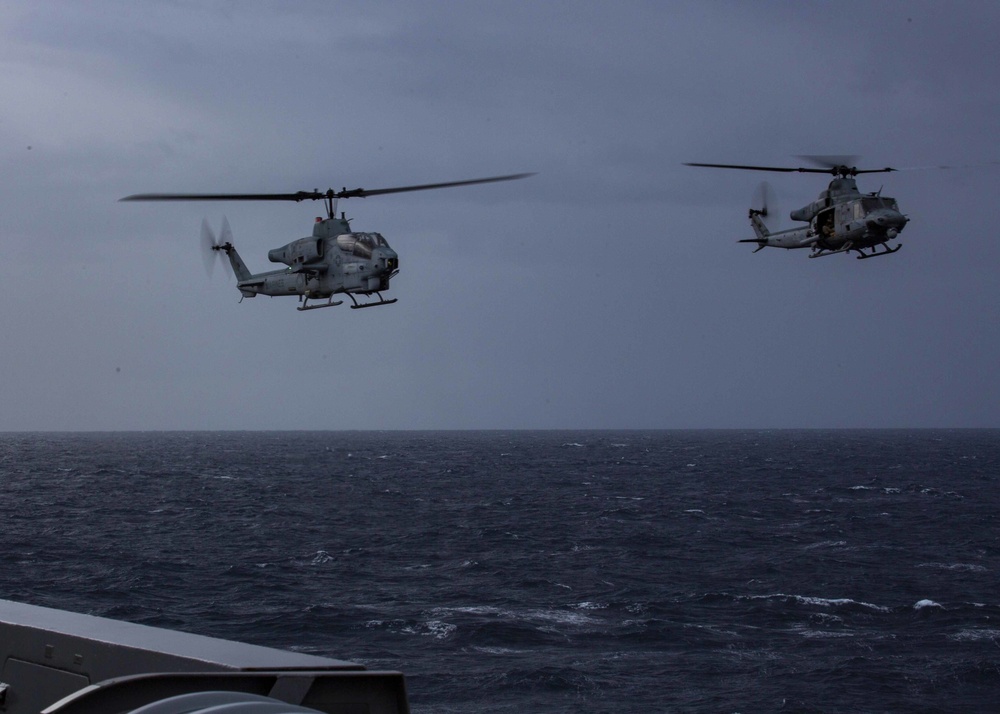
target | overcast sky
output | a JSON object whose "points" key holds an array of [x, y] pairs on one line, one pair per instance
{"points": [[608, 291]]}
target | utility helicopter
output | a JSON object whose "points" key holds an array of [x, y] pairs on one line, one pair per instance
{"points": [[841, 220], [335, 260]]}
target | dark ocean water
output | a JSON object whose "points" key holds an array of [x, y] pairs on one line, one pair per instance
{"points": [[733, 571]]}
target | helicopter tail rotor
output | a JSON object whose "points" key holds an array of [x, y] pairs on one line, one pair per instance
{"points": [[765, 197], [763, 220], [212, 249]]}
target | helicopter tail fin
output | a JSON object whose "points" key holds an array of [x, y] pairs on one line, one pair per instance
{"points": [[226, 240], [759, 229], [239, 267]]}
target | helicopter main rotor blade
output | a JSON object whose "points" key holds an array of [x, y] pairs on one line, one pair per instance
{"points": [[783, 169], [362, 193], [837, 169], [313, 195], [300, 196]]}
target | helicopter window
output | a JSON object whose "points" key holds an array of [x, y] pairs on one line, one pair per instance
{"points": [[873, 203], [361, 244], [363, 248], [372, 240]]}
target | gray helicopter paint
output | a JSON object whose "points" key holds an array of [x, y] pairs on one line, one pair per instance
{"points": [[321, 267], [841, 220], [335, 260]]}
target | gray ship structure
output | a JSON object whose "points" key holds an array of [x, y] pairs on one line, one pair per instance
{"points": [[58, 662]]}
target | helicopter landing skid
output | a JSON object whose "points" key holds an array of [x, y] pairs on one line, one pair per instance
{"points": [[329, 303], [381, 301], [823, 252], [876, 253]]}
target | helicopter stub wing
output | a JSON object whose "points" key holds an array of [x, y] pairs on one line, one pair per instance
{"points": [[316, 269]]}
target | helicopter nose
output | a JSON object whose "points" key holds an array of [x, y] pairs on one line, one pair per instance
{"points": [[889, 220]]}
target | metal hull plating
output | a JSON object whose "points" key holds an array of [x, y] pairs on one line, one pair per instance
{"points": [[59, 662]]}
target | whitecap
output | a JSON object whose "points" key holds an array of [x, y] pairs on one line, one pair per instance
{"points": [[991, 635], [495, 650], [472, 610], [558, 616], [566, 617], [970, 567], [432, 628], [590, 605], [825, 634], [921, 604], [820, 601], [826, 544], [440, 630]]}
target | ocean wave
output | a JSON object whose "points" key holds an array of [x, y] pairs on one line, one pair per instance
{"points": [[976, 635], [519, 615], [820, 601], [972, 568], [825, 544]]}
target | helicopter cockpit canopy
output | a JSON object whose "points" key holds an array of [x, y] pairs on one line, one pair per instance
{"points": [[361, 244], [873, 203]]}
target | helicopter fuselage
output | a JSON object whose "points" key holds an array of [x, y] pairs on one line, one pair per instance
{"points": [[840, 220], [332, 261]]}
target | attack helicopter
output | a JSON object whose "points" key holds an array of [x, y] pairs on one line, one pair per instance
{"points": [[335, 260], [841, 220]]}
